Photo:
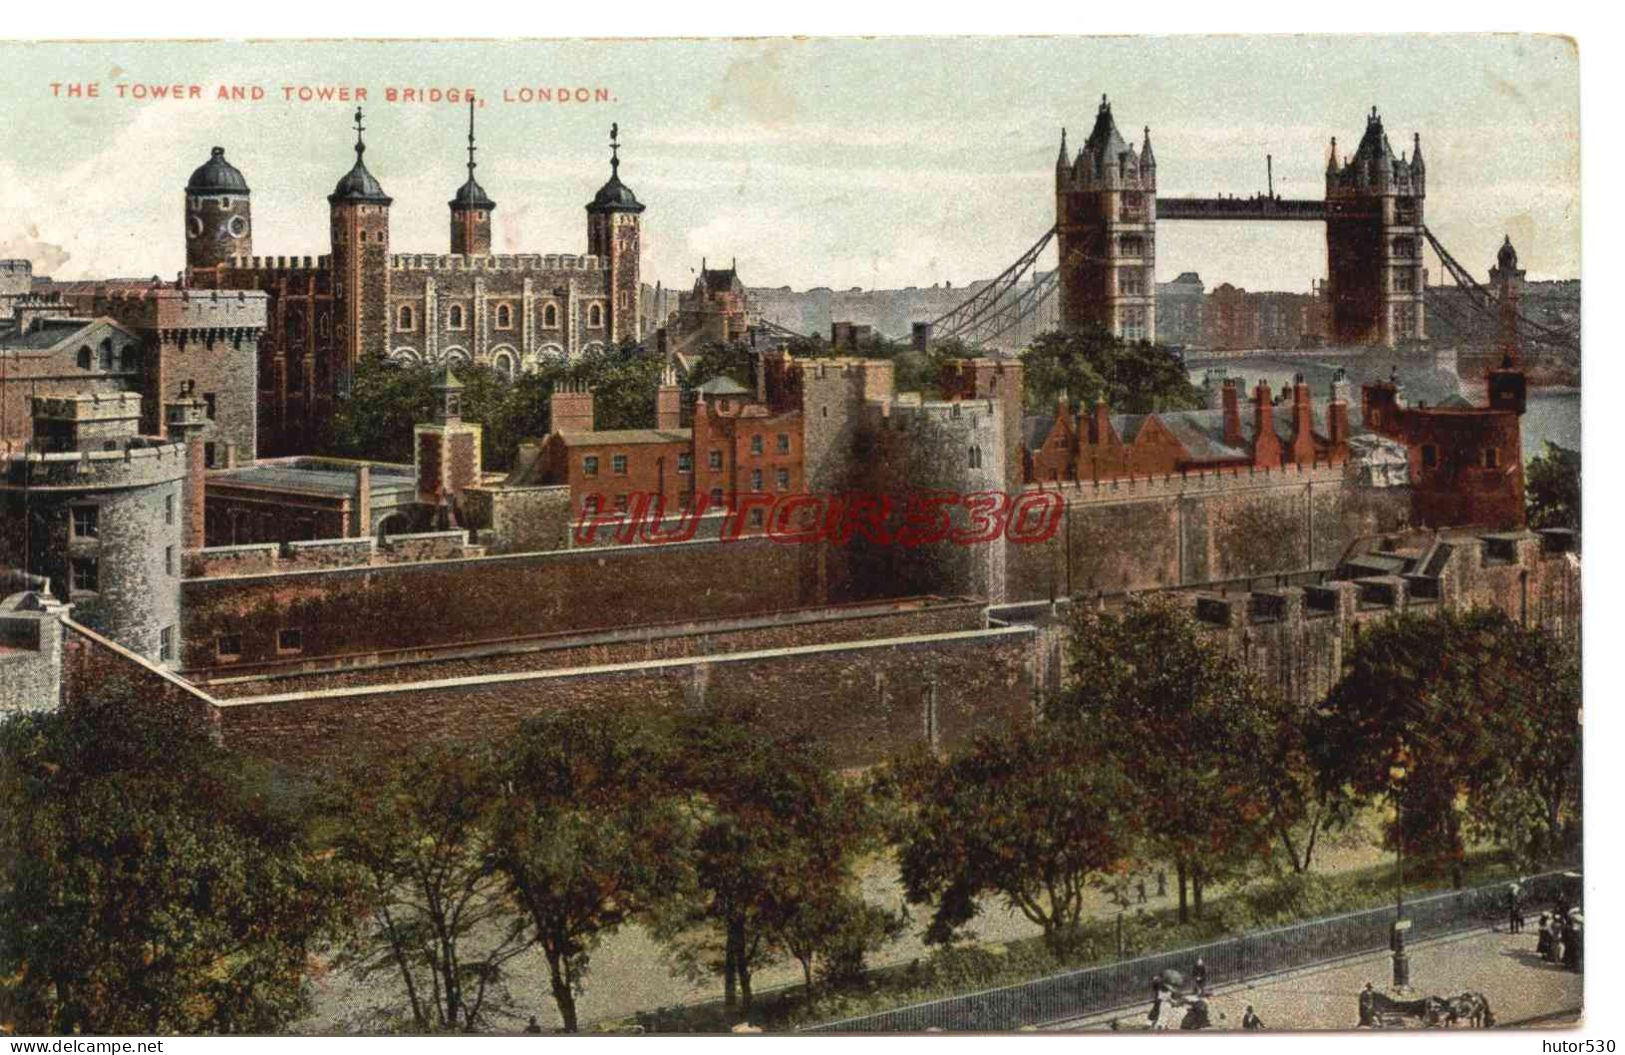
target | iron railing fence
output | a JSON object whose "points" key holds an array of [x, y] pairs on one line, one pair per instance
{"points": [[1092, 990]]}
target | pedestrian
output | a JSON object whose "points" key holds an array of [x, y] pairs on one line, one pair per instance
{"points": [[1573, 956], [1250, 1020], [533, 1026], [1139, 886], [1543, 937], [1514, 911], [1556, 930], [1162, 883], [1199, 975], [1368, 1006]]}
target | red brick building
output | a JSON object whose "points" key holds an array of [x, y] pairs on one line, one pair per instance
{"points": [[1466, 461], [1101, 445], [736, 443]]}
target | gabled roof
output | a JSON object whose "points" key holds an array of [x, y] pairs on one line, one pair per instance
{"points": [[52, 334], [723, 385]]}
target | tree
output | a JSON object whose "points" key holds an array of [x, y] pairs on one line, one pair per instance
{"points": [[1469, 705], [831, 931], [418, 830], [589, 834], [1164, 701], [731, 360], [1089, 364], [1035, 816], [777, 830], [1552, 488], [147, 886]]}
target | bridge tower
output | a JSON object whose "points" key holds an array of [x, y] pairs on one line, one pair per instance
{"points": [[1105, 223], [1374, 241]]}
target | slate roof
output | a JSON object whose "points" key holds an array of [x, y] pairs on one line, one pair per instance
{"points": [[472, 196], [615, 196], [45, 335], [625, 437], [723, 385], [217, 176], [336, 483]]}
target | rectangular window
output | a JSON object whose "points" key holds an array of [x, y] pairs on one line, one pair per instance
{"points": [[589, 465], [169, 560], [166, 643], [784, 479], [1430, 456], [208, 455], [784, 443], [169, 509], [618, 464], [86, 521], [685, 463], [592, 504], [756, 479], [290, 639], [208, 405], [86, 574], [620, 503], [716, 498], [228, 648], [756, 518], [756, 444], [715, 461], [1492, 458]]}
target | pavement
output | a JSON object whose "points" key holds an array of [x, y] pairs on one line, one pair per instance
{"points": [[1522, 989]]}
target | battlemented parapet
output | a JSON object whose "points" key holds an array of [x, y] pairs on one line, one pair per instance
{"points": [[498, 262]]}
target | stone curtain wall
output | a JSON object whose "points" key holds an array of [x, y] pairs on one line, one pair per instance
{"points": [[1183, 530], [865, 701], [360, 611], [96, 670], [909, 618]]}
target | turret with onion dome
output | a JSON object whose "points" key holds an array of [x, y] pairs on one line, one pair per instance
{"points": [[471, 208], [219, 225], [614, 196], [359, 185]]}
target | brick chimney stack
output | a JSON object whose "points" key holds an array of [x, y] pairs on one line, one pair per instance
{"points": [[1303, 423], [1101, 430], [1230, 400], [1266, 444], [1337, 416], [668, 402], [571, 406]]}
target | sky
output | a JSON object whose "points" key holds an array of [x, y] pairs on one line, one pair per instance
{"points": [[841, 162]]}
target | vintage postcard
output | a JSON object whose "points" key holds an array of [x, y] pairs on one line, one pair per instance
{"points": [[790, 535]]}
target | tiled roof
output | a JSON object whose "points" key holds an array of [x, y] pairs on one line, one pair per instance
{"points": [[625, 437]]}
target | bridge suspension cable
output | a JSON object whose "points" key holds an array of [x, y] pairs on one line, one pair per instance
{"points": [[970, 314], [1484, 300]]}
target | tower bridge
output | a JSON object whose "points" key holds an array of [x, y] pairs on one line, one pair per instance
{"points": [[1106, 216]]}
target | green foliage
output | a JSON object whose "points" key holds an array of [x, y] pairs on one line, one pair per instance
{"points": [[724, 360], [147, 887], [1478, 714], [1090, 364], [1168, 705], [417, 828], [1032, 815], [589, 834], [777, 830], [1552, 488], [374, 421]]}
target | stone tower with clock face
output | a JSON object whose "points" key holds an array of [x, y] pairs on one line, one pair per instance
{"points": [[218, 221]]}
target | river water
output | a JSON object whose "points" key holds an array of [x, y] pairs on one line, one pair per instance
{"points": [[1553, 413]]}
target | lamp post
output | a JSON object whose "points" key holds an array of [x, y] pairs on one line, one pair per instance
{"points": [[1396, 941]]}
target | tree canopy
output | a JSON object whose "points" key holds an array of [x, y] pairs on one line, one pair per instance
{"points": [[1089, 364], [1552, 488], [148, 886]]}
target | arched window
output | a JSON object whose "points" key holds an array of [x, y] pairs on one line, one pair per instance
{"points": [[504, 317], [502, 363], [84, 357], [550, 316], [107, 353], [406, 317], [454, 316], [595, 316]]}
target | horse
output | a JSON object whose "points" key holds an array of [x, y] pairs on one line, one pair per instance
{"points": [[1470, 1007]]}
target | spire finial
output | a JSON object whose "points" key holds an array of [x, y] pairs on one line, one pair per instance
{"points": [[1104, 105], [471, 147], [614, 148], [360, 146]]}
